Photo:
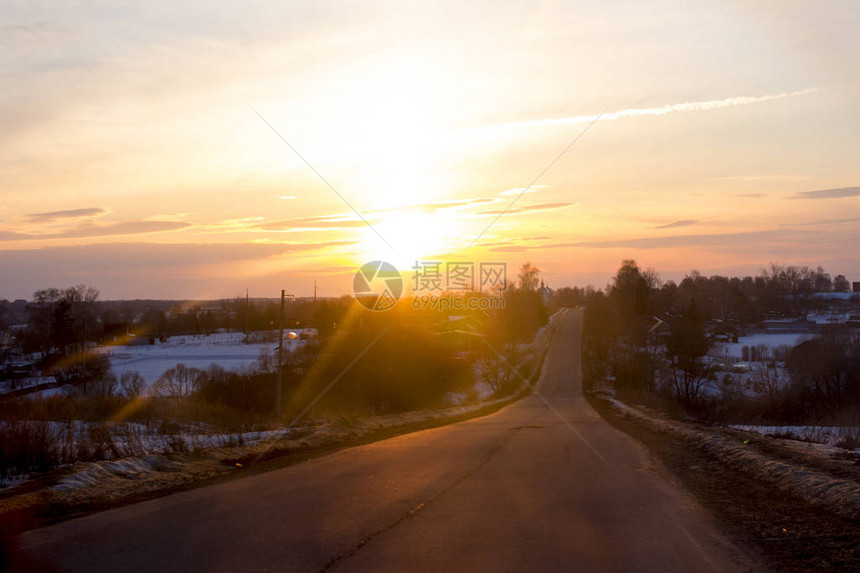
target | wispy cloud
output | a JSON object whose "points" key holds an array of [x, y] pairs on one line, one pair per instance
{"points": [[67, 214], [351, 221], [140, 268], [680, 223], [510, 249], [842, 221], [310, 224], [521, 190], [761, 178], [107, 230], [435, 207], [527, 209], [124, 256], [514, 244], [840, 193], [657, 111], [679, 241]]}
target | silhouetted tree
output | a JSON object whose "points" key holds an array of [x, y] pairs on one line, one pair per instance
{"points": [[180, 382], [524, 310], [629, 293], [685, 348], [825, 372], [62, 320], [132, 383]]}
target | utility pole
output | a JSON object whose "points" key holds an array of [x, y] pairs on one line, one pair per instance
{"points": [[279, 389]]}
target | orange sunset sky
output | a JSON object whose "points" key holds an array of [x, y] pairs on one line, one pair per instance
{"points": [[135, 154]]}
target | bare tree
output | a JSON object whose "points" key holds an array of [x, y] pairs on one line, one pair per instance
{"points": [[687, 349], [767, 376], [178, 382], [529, 277], [105, 386], [500, 374], [266, 362], [132, 383]]}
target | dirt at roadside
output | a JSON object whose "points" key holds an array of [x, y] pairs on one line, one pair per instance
{"points": [[786, 531]]}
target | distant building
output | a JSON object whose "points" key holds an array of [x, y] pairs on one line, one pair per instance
{"points": [[545, 293], [789, 325], [116, 331], [855, 286], [659, 332]]}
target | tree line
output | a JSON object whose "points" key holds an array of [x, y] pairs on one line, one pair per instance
{"points": [[418, 362], [657, 338]]}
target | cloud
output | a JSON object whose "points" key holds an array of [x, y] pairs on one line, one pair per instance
{"points": [[825, 222], [122, 256], [680, 223], [657, 111], [681, 241], [761, 178], [311, 224], [527, 209], [840, 193], [513, 244], [351, 221], [752, 195], [521, 190], [510, 249], [67, 214], [703, 240], [92, 230], [434, 207], [146, 270]]}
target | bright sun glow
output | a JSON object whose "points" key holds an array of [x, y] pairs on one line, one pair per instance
{"points": [[414, 235], [395, 135], [396, 146]]}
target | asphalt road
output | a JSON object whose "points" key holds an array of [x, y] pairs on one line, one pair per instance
{"points": [[542, 485]]}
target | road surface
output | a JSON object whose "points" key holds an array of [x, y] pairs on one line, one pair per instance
{"points": [[542, 485]]}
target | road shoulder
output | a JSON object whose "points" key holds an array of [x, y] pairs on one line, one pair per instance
{"points": [[782, 529]]}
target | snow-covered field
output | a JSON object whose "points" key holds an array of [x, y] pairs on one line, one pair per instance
{"points": [[735, 349], [10, 385], [828, 317], [195, 351], [226, 349]]}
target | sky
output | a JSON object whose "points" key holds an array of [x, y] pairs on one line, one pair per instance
{"points": [[193, 151]]}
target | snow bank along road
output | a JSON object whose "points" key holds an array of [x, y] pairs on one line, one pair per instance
{"points": [[542, 485]]}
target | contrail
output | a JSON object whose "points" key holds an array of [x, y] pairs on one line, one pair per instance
{"points": [[662, 110]]}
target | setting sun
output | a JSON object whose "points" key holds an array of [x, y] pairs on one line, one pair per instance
{"points": [[409, 235]]}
